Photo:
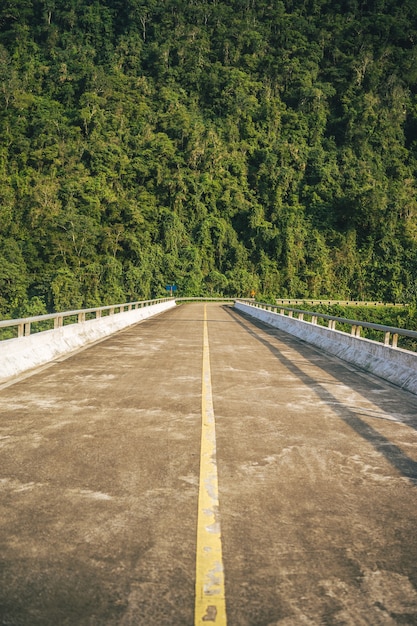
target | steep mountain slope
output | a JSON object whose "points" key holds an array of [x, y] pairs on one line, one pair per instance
{"points": [[224, 146]]}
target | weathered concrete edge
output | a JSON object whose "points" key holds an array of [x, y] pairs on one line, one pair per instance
{"points": [[22, 354], [392, 364]]}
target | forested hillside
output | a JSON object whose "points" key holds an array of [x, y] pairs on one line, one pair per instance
{"points": [[226, 146]]}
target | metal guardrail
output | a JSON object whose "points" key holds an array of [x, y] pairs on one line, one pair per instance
{"points": [[367, 303], [24, 324], [356, 325]]}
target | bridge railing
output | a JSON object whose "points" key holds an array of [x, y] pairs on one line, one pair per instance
{"points": [[389, 334], [367, 303], [23, 327]]}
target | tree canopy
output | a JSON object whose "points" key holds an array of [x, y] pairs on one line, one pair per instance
{"points": [[224, 146]]}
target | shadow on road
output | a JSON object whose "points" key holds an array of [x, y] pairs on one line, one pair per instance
{"points": [[398, 459]]}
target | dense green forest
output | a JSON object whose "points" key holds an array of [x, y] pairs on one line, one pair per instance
{"points": [[224, 146]]}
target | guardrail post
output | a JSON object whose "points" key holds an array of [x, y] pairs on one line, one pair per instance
{"points": [[314, 319], [20, 330], [290, 313], [281, 312], [358, 331], [98, 314], [58, 321], [395, 340], [301, 316], [81, 317], [27, 329], [386, 338]]}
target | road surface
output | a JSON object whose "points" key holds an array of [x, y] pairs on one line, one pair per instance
{"points": [[316, 467]]}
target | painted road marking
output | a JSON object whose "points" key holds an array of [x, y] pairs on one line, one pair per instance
{"points": [[210, 604]]}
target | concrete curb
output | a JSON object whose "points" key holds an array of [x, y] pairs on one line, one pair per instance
{"points": [[25, 353], [392, 364]]}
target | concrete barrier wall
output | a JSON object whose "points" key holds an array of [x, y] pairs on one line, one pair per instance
{"points": [[24, 353], [393, 364]]}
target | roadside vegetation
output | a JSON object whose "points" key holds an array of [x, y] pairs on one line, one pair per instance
{"points": [[226, 147]]}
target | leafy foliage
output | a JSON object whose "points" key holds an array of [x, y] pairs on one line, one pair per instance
{"points": [[228, 147]]}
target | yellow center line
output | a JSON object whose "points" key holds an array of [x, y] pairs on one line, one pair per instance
{"points": [[210, 604]]}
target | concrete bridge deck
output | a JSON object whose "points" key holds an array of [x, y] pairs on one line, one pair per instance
{"points": [[99, 479]]}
